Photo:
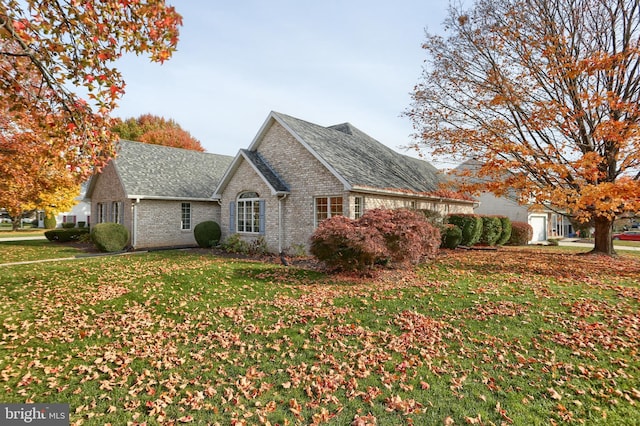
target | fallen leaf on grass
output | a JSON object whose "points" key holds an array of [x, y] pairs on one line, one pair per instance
{"points": [[554, 394]]}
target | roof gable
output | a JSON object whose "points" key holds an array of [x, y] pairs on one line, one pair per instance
{"points": [[156, 171], [264, 169], [359, 160]]}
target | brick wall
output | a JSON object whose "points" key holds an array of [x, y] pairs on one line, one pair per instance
{"points": [[108, 189], [158, 222]]}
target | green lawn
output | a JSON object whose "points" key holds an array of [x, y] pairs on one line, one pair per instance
{"points": [[515, 336], [31, 250]]}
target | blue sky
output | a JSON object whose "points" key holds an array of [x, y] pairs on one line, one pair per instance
{"points": [[327, 62]]}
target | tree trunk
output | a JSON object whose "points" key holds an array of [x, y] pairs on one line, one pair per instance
{"points": [[603, 236], [15, 223]]}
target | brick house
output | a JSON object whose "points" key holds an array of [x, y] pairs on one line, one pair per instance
{"points": [[158, 193], [293, 175]]}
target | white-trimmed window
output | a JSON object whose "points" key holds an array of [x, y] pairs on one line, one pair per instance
{"points": [[116, 212], [249, 217], [358, 207], [185, 219], [69, 218], [327, 207]]}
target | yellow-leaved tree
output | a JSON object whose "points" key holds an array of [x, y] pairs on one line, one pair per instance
{"points": [[545, 94]]}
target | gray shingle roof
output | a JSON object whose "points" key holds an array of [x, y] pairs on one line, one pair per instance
{"points": [[265, 169], [361, 160], [157, 171]]}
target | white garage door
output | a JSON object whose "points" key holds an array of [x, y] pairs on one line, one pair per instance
{"points": [[539, 225]]}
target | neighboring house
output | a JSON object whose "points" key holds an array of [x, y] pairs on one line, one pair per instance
{"points": [[295, 174], [80, 212], [292, 176], [545, 222], [158, 193]]}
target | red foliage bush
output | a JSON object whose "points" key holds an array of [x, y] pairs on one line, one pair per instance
{"points": [[344, 245], [379, 236], [407, 234], [521, 234]]}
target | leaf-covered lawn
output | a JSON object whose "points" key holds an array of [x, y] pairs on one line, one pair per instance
{"points": [[32, 250], [515, 336]]}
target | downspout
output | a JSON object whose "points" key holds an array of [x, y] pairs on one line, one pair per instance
{"points": [[280, 226], [134, 227]]}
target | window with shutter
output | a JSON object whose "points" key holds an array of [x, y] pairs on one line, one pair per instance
{"points": [[249, 215]]}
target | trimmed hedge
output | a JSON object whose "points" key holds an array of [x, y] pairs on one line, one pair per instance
{"points": [[64, 235], [50, 221], [471, 226], [207, 234], [109, 237], [506, 230], [451, 236], [491, 230], [521, 234]]}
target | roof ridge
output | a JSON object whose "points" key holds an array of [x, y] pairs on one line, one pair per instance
{"points": [[159, 146]]}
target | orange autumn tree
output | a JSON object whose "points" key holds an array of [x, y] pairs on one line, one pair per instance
{"points": [[156, 130], [545, 95], [34, 159], [32, 176], [70, 46]]}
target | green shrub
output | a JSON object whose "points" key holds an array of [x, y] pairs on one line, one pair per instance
{"points": [[109, 237], [50, 221], [234, 244], [81, 223], [451, 236], [491, 230], [64, 235], [506, 230], [68, 225], [207, 234], [521, 234], [434, 218], [85, 236], [471, 226], [554, 241]]}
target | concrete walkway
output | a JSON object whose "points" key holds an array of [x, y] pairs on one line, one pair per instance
{"points": [[25, 238], [569, 243]]}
